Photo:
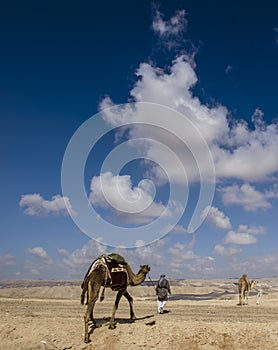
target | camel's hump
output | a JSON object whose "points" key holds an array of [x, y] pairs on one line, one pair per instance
{"points": [[118, 258]]}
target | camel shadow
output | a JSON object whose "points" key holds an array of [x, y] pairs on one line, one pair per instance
{"points": [[206, 296], [105, 321], [128, 320]]}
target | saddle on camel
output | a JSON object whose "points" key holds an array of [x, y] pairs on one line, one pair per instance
{"points": [[115, 265]]}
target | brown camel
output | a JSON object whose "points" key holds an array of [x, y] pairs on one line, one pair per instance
{"points": [[244, 287], [98, 277]]}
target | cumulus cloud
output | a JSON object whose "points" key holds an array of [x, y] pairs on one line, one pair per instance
{"points": [[179, 229], [239, 152], [258, 266], [36, 205], [81, 258], [173, 89], [7, 260], [183, 260], [244, 235], [117, 191], [248, 154], [84, 256], [226, 251], [246, 196], [40, 253], [228, 69], [254, 230], [139, 243], [240, 238], [170, 31], [181, 252], [62, 252], [118, 194], [216, 217]]}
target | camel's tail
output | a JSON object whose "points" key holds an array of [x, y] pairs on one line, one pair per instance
{"points": [[83, 296], [84, 287]]}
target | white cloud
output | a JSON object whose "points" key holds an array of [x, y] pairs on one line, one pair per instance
{"points": [[179, 262], [139, 243], [239, 152], [35, 272], [7, 260], [181, 252], [248, 155], [259, 266], [173, 89], [216, 217], [36, 205], [39, 252], [240, 238], [79, 260], [117, 193], [178, 229], [62, 252], [254, 230], [244, 235], [182, 260], [272, 193], [171, 31], [228, 69], [246, 196], [226, 251], [84, 256]]}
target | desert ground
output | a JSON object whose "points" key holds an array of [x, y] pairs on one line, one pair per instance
{"points": [[200, 314]]}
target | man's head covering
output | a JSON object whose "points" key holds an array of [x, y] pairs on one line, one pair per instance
{"points": [[162, 276]]}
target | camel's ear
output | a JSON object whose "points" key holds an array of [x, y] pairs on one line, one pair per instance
{"points": [[141, 266]]}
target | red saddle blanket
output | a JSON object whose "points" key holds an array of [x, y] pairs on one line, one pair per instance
{"points": [[118, 273]]}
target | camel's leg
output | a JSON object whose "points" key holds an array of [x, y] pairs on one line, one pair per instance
{"points": [[89, 313], [130, 300], [246, 297], [115, 307], [102, 294], [240, 295]]}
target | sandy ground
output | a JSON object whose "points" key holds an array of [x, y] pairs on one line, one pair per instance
{"points": [[201, 314]]}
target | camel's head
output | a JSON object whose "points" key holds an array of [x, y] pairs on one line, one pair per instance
{"points": [[253, 283], [145, 268]]}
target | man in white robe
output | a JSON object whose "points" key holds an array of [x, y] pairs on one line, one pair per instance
{"points": [[162, 290]]}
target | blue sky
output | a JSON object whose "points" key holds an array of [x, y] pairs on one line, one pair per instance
{"points": [[194, 81]]}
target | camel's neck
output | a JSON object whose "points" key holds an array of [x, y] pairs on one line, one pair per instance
{"points": [[135, 279], [252, 284]]}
